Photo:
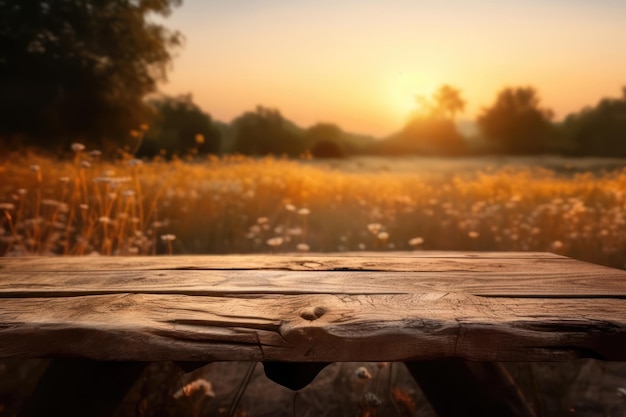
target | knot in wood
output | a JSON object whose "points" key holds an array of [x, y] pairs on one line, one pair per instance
{"points": [[312, 313]]}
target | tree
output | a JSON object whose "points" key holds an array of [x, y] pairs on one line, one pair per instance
{"points": [[80, 68], [431, 129], [600, 130], [266, 132], [324, 140], [180, 126], [516, 122], [448, 101]]}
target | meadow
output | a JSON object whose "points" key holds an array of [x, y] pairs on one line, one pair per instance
{"points": [[88, 206]]}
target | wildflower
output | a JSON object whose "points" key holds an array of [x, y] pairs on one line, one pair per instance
{"points": [[104, 180], [7, 206], [416, 241], [105, 220], [35, 168], [275, 242], [361, 246], [290, 207], [296, 231], [557, 245], [134, 162], [135, 133], [144, 126], [64, 180], [128, 193], [50, 202], [83, 206], [302, 247], [374, 228], [404, 400], [473, 234], [168, 237], [304, 212], [201, 386], [199, 138], [372, 400], [85, 164], [362, 373], [383, 235], [95, 153], [78, 147], [262, 220]]}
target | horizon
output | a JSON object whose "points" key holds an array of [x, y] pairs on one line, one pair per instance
{"points": [[361, 64]]}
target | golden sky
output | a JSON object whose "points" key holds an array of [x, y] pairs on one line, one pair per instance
{"points": [[360, 63]]}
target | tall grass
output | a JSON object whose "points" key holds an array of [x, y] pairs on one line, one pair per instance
{"points": [[241, 205]]}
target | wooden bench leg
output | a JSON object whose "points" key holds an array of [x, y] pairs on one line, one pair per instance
{"points": [[79, 388], [455, 387]]}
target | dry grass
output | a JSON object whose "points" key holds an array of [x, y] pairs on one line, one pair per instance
{"points": [[87, 206], [239, 205]]}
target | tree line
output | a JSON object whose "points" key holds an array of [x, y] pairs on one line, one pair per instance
{"points": [[80, 70]]}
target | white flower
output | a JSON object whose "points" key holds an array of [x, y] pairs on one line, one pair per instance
{"points": [[275, 242], [78, 147], [363, 373], [374, 228]]}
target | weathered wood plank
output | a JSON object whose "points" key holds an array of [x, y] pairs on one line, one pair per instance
{"points": [[576, 280], [308, 328], [376, 261], [324, 308]]}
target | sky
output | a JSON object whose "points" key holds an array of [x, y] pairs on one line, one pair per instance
{"points": [[360, 63]]}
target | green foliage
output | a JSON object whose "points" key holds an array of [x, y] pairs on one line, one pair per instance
{"points": [[79, 69], [266, 132], [516, 123], [599, 131], [180, 127]]}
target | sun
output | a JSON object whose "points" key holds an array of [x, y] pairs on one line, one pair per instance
{"points": [[405, 87]]}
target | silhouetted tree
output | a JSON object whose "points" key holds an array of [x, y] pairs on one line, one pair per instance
{"points": [[516, 122], [600, 130], [324, 140], [448, 101], [431, 129], [80, 68], [180, 127], [265, 132]]}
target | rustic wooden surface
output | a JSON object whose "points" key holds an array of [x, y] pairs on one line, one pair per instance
{"points": [[356, 307]]}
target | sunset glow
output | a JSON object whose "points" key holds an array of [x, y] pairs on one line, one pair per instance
{"points": [[361, 63]]}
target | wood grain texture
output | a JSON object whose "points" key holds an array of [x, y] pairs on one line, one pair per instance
{"points": [[373, 307]]}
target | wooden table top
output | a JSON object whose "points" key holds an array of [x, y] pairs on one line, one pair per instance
{"points": [[382, 306]]}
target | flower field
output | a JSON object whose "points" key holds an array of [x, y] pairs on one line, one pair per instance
{"points": [[86, 206]]}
